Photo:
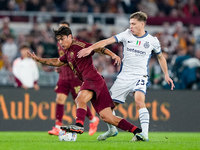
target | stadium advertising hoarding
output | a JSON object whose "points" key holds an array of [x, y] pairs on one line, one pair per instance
{"points": [[29, 110]]}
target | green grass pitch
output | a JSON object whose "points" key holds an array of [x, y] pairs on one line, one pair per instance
{"points": [[43, 141]]}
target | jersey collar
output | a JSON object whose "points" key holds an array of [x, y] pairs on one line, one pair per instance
{"points": [[146, 33]]}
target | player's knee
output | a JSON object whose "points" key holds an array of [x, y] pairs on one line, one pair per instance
{"points": [[60, 99], [80, 102], [139, 104]]}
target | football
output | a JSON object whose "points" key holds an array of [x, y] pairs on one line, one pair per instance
{"points": [[67, 136]]}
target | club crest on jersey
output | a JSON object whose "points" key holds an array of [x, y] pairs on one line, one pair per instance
{"points": [[61, 53], [146, 44], [72, 55]]}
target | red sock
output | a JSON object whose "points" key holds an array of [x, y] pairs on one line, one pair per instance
{"points": [[59, 113], [80, 116], [89, 114], [126, 126]]}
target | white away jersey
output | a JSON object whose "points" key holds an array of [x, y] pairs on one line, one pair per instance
{"points": [[136, 53]]}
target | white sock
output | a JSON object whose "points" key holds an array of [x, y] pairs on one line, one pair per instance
{"points": [[144, 120], [57, 126], [110, 126], [93, 120]]}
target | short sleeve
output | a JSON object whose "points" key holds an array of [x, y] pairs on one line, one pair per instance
{"points": [[120, 37], [63, 58], [156, 46]]}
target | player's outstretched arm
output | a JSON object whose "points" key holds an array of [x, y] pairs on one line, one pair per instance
{"points": [[163, 65], [46, 61], [106, 51], [86, 51]]}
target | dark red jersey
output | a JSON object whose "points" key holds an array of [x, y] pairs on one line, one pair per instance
{"points": [[87, 73], [66, 72], [82, 67]]}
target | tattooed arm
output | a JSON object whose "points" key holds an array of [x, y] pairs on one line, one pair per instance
{"points": [[46, 61], [106, 51]]}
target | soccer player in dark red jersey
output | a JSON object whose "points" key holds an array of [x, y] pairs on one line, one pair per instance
{"points": [[93, 89], [68, 82]]}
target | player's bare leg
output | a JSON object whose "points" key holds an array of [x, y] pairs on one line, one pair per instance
{"points": [[107, 116], [60, 100], [112, 132], [81, 101]]}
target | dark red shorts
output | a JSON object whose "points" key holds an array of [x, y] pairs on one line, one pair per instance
{"points": [[102, 98], [66, 86]]}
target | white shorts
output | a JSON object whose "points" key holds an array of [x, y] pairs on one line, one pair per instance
{"points": [[121, 88]]}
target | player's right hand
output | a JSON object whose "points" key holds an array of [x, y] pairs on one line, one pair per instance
{"points": [[117, 60], [32, 55]]}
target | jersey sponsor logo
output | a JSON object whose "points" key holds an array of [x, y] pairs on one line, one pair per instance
{"points": [[146, 44], [137, 52]]}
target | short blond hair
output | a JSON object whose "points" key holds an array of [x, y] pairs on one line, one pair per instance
{"points": [[140, 16]]}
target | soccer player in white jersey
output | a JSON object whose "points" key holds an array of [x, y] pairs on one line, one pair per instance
{"points": [[133, 76]]}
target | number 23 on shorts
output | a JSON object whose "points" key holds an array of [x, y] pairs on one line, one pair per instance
{"points": [[140, 82]]}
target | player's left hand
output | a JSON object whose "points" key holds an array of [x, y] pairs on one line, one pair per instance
{"points": [[169, 81], [117, 60], [84, 52]]}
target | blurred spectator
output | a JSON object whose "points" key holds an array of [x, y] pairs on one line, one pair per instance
{"points": [[82, 34], [22, 6], [33, 5], [1, 60], [129, 6], [9, 48], [6, 30], [184, 70], [110, 6], [167, 41], [12, 5], [35, 31], [50, 47], [50, 5], [6, 71], [157, 80], [25, 70], [149, 7], [190, 9], [3, 4], [39, 52], [21, 39], [44, 16], [6, 64]]}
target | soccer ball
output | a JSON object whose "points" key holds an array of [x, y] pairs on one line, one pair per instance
{"points": [[67, 136]]}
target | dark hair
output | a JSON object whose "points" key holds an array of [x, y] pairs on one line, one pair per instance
{"points": [[63, 30], [64, 22], [24, 45], [140, 16]]}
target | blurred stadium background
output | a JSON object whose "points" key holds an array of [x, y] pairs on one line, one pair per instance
{"points": [[174, 22]]}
